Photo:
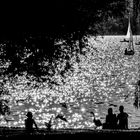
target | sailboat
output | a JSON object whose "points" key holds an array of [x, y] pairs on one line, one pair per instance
{"points": [[129, 36]]}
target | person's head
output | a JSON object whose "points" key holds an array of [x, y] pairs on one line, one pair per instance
{"points": [[29, 114], [110, 111], [121, 108]]}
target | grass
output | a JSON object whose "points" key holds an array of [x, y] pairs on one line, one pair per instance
{"points": [[7, 133]]}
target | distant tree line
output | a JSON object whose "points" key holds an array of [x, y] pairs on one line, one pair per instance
{"points": [[136, 16]]}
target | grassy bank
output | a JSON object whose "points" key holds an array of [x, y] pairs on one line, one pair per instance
{"points": [[70, 133]]}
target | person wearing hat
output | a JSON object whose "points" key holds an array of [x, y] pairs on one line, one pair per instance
{"points": [[29, 122]]}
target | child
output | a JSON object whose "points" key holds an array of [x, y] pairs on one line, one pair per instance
{"points": [[29, 122]]}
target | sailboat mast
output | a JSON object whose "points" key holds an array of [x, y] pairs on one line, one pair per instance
{"points": [[130, 35]]}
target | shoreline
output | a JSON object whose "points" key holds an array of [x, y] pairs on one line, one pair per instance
{"points": [[63, 134]]}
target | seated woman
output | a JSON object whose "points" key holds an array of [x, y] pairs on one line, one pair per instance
{"points": [[111, 120], [29, 122]]}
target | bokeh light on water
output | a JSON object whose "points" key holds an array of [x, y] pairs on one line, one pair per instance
{"points": [[104, 77]]}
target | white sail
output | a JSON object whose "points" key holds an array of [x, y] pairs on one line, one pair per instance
{"points": [[129, 31], [129, 36]]}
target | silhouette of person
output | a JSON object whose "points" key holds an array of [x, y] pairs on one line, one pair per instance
{"points": [[122, 118], [29, 122], [111, 120]]}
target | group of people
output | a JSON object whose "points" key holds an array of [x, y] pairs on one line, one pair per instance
{"points": [[116, 122], [112, 121]]}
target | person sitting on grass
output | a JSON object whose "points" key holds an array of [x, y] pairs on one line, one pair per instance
{"points": [[122, 119], [111, 120], [29, 122]]}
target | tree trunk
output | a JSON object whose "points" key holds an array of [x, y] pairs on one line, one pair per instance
{"points": [[136, 16]]}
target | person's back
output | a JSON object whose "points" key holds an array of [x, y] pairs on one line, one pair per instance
{"points": [[29, 122], [122, 119], [111, 121]]}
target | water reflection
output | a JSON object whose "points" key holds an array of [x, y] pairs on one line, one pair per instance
{"points": [[102, 78]]}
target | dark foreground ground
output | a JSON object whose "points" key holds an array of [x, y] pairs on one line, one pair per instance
{"points": [[69, 134]]}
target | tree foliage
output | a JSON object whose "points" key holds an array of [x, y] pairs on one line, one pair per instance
{"points": [[34, 47]]}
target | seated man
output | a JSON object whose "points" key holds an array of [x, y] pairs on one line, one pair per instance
{"points": [[122, 119]]}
